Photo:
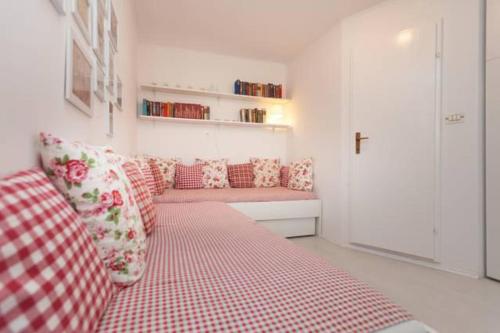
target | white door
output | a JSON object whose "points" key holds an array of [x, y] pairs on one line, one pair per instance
{"points": [[394, 101]]}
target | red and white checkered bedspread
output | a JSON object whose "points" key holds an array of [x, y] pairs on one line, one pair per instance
{"points": [[210, 268], [233, 195]]}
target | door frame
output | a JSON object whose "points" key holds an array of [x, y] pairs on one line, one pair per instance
{"points": [[349, 144]]}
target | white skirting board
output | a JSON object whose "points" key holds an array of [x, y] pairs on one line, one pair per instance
{"points": [[285, 218]]}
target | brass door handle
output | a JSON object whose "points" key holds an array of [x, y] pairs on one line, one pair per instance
{"points": [[359, 138]]}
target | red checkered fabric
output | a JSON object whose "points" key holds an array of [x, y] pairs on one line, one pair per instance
{"points": [[158, 178], [210, 268], [188, 177], [284, 173], [241, 175], [51, 277], [148, 175], [142, 195]]}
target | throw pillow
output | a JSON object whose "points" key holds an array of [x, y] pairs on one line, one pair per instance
{"points": [[266, 172], [189, 177], [241, 175], [214, 173], [284, 175], [301, 175]]}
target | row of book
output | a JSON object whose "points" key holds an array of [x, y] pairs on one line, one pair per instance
{"points": [[258, 89], [253, 115], [175, 110]]}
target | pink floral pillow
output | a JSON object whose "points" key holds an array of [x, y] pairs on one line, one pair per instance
{"points": [[102, 195], [266, 172], [301, 175], [214, 173], [167, 168]]}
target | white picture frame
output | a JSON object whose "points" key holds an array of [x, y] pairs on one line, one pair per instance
{"points": [[111, 123], [99, 29], [100, 83], [119, 93], [111, 72], [82, 13], [60, 6], [79, 74], [113, 27]]}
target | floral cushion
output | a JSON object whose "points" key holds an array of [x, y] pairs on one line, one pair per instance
{"points": [[51, 277], [102, 195], [214, 173], [167, 168], [301, 175], [284, 175], [241, 175], [266, 172], [142, 195], [189, 177]]}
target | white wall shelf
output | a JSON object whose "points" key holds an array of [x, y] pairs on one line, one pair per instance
{"points": [[206, 93], [213, 122]]}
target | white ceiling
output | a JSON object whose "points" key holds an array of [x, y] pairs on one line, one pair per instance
{"points": [[263, 29]]}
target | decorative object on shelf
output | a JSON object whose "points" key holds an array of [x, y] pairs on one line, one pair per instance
{"points": [[258, 89], [82, 12], [119, 93], [111, 125], [60, 6], [253, 115], [111, 70], [99, 82], [113, 27], [79, 71], [98, 27], [175, 110]]}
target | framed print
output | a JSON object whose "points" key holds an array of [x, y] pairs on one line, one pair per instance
{"points": [[79, 72], [113, 27], [119, 93], [111, 72], [111, 124], [99, 82], [82, 12], [60, 6], [98, 25]]}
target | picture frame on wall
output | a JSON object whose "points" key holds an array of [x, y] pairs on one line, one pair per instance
{"points": [[100, 83], [99, 28], [111, 124], [119, 93], [60, 6], [82, 13], [113, 27], [79, 73], [111, 72]]}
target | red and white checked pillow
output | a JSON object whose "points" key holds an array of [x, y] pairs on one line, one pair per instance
{"points": [[96, 186], [241, 175], [266, 172], [284, 175], [142, 195], [189, 177], [301, 175], [145, 169], [51, 276], [214, 173], [167, 168], [158, 178]]}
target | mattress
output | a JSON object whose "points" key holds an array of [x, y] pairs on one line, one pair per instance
{"points": [[233, 195], [210, 268]]}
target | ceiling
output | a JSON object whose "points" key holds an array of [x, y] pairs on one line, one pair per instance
{"points": [[273, 30]]}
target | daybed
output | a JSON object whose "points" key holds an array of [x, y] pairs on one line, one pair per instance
{"points": [[210, 268], [285, 212]]}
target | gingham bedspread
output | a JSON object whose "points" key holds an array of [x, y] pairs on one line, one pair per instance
{"points": [[211, 269], [233, 195]]}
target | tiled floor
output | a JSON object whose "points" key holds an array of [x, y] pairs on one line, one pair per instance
{"points": [[444, 301]]}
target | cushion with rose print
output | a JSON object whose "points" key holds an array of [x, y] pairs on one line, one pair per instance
{"points": [[102, 195], [147, 172], [301, 175], [266, 172], [214, 173], [167, 168]]}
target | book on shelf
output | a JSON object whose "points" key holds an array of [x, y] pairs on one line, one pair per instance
{"points": [[258, 89], [175, 110], [253, 116]]}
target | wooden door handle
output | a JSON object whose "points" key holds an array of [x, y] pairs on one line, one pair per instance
{"points": [[359, 138]]}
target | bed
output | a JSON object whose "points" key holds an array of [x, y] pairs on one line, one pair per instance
{"points": [[211, 268], [285, 212]]}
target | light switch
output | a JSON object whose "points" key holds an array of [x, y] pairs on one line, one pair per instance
{"points": [[455, 118]]}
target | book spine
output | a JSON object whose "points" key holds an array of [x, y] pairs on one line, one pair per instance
{"points": [[237, 87]]}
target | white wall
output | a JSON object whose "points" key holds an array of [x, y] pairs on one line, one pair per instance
{"points": [[317, 82], [32, 64], [201, 70]]}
